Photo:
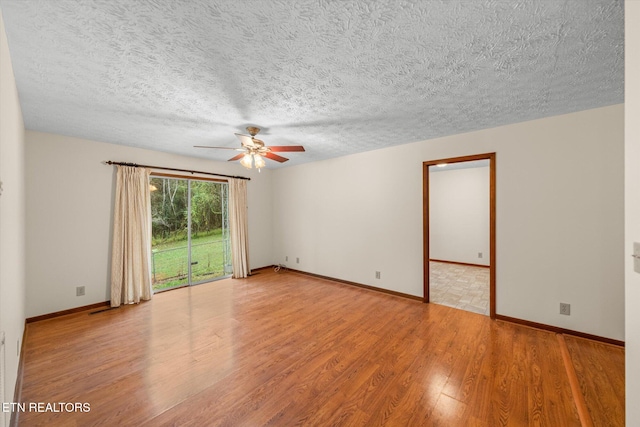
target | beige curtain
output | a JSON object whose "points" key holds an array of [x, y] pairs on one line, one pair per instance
{"points": [[131, 250], [238, 228]]}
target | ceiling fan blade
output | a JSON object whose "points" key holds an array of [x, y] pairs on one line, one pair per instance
{"points": [[285, 148], [237, 157], [220, 148], [245, 140], [275, 157]]}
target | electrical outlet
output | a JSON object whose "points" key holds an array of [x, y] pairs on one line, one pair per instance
{"points": [[286, 258], [297, 260], [565, 309], [479, 254], [377, 274], [79, 291]]}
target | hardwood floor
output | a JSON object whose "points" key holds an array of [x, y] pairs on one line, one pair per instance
{"points": [[285, 349], [600, 372]]}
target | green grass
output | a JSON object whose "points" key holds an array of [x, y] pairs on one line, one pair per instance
{"points": [[180, 239], [170, 262]]}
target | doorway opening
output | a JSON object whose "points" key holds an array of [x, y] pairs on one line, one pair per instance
{"points": [[190, 231], [468, 259]]}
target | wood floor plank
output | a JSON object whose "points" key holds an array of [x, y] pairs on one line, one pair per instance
{"points": [[599, 369], [286, 349]]}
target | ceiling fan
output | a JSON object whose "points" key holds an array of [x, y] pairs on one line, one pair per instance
{"points": [[254, 151]]}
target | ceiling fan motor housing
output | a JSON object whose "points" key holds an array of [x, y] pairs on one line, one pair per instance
{"points": [[253, 131]]}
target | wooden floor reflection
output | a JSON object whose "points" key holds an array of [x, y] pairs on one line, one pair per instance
{"points": [[284, 349]]}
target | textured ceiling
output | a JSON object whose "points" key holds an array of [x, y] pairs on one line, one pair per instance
{"points": [[338, 77]]}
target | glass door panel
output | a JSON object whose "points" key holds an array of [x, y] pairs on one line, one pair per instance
{"points": [[169, 243], [208, 231]]}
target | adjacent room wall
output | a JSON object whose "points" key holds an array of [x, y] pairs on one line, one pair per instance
{"points": [[12, 224], [632, 207], [70, 197], [559, 217], [459, 215]]}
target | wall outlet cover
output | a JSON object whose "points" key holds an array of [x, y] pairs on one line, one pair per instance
{"points": [[565, 309]]}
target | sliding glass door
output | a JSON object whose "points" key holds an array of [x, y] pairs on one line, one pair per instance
{"points": [[190, 242]]}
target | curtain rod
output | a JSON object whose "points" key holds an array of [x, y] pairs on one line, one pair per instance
{"points": [[135, 165]]}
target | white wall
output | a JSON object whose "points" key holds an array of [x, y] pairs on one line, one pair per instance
{"points": [[632, 207], [12, 225], [559, 217], [69, 215], [459, 215]]}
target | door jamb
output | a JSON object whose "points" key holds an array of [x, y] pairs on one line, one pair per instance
{"points": [[492, 222]]}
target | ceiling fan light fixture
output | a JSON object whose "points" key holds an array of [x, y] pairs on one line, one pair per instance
{"points": [[258, 161], [247, 161]]}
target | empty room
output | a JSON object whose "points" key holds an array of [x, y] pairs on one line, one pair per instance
{"points": [[240, 213]]}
